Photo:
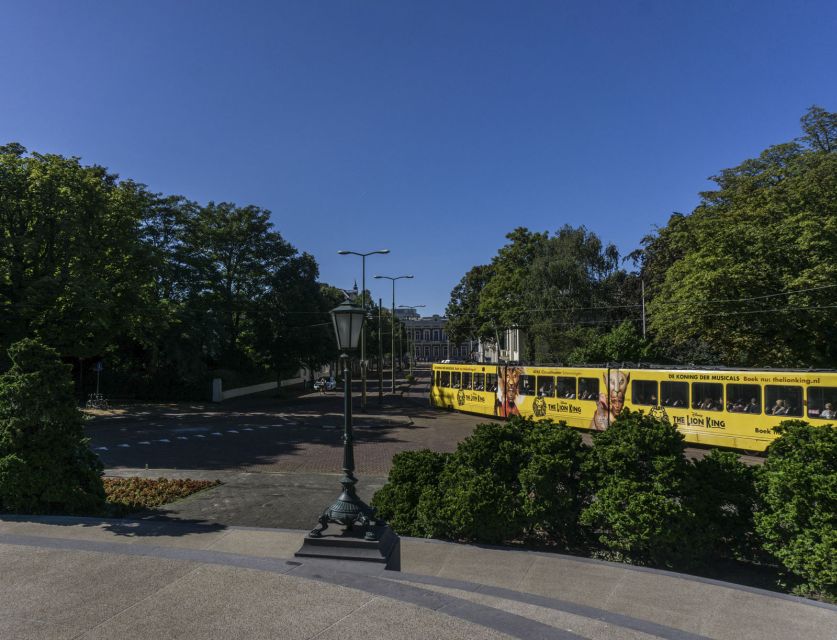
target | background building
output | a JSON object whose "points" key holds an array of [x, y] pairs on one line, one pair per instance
{"points": [[430, 343]]}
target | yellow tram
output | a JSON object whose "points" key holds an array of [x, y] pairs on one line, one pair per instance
{"points": [[719, 407]]}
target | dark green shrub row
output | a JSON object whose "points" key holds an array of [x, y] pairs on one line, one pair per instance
{"points": [[633, 496]]}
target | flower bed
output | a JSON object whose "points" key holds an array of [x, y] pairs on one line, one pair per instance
{"points": [[125, 495]]}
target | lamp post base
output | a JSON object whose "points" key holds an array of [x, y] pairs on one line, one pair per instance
{"points": [[348, 510], [352, 545]]}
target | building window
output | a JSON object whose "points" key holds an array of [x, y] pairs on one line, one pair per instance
{"points": [[435, 335]]}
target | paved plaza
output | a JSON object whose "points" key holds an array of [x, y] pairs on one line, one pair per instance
{"points": [[85, 578], [221, 564]]}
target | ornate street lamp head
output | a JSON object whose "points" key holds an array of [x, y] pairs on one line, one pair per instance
{"points": [[348, 321]]}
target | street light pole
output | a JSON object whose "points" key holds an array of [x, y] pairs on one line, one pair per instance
{"points": [[411, 342], [363, 306], [380, 351], [393, 279]]}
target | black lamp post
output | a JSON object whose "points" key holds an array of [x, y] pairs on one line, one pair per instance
{"points": [[348, 509]]}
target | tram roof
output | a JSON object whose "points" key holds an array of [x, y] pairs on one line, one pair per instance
{"points": [[644, 365]]}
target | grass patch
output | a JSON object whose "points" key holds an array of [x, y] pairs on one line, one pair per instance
{"points": [[126, 495]]}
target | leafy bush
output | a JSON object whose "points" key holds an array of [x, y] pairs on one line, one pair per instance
{"points": [[412, 473], [45, 463], [797, 513], [470, 504], [721, 495], [635, 480], [478, 496], [125, 495], [549, 480], [505, 480]]}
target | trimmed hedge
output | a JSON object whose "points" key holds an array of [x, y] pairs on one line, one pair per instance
{"points": [[797, 511], [506, 481], [412, 473], [634, 482], [632, 497]]}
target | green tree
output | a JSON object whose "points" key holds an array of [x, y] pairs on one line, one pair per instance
{"points": [[45, 463], [233, 254], [465, 320], [548, 287], [73, 270], [291, 321], [621, 344], [746, 279]]}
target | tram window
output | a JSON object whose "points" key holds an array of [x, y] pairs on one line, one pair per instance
{"points": [[644, 392], [455, 379], [479, 382], [822, 403], [491, 382], [783, 400], [675, 394], [466, 380], [565, 387], [546, 386], [526, 385], [707, 396], [744, 398], [445, 379], [588, 388]]}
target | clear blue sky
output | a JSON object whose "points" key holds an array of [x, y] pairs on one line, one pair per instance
{"points": [[430, 128]]}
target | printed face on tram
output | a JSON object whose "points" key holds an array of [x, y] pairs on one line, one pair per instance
{"points": [[617, 384], [508, 384]]}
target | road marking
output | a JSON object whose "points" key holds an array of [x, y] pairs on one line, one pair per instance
{"points": [[329, 426], [101, 448], [262, 427], [200, 435], [231, 431], [124, 446], [144, 442], [216, 433], [164, 440], [247, 429], [182, 437]]}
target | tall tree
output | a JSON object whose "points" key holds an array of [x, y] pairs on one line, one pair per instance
{"points": [[549, 287], [234, 255], [747, 278], [72, 268]]}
